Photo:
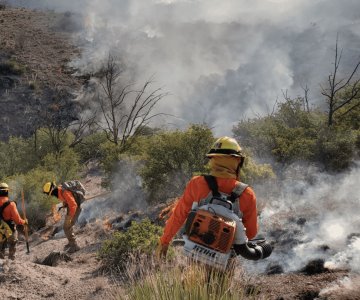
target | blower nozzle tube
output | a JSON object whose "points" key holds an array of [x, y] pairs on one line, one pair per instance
{"points": [[254, 250]]}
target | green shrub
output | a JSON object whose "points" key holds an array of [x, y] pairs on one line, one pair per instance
{"points": [[289, 134], [254, 173], [172, 158], [37, 204], [110, 154], [90, 147], [141, 238], [17, 156], [336, 148], [65, 164]]}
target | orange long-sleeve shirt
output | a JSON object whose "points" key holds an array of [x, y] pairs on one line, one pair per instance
{"points": [[10, 213], [68, 199], [197, 189]]}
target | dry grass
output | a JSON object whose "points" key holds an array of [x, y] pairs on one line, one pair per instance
{"points": [[150, 280]]}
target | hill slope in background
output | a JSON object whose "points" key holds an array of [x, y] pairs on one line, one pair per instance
{"points": [[35, 48]]}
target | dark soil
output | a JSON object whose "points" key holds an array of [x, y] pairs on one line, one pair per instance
{"points": [[35, 49]]}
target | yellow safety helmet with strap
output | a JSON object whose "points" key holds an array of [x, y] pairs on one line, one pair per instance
{"points": [[4, 186], [225, 146], [49, 187]]}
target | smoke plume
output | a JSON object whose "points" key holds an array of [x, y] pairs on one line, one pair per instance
{"points": [[315, 217], [127, 195], [220, 61]]}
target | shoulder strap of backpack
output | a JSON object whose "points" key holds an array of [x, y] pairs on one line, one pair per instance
{"points": [[2, 207], [235, 194], [238, 190], [213, 186]]}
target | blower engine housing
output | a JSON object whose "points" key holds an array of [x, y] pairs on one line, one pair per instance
{"points": [[211, 230]]}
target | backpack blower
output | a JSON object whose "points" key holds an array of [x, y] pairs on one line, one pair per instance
{"points": [[214, 232]]}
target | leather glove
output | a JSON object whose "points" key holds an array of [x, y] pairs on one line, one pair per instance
{"points": [[161, 250]]}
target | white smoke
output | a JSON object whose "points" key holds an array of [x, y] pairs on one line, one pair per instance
{"points": [[314, 218], [346, 288], [348, 258], [220, 61], [127, 195]]}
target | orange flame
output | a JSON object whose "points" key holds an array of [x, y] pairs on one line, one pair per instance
{"points": [[106, 224]]}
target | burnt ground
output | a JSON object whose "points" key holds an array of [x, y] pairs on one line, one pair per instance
{"points": [[326, 285], [35, 49]]}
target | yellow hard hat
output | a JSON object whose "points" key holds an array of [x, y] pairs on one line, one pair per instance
{"points": [[4, 186], [225, 146], [49, 187]]}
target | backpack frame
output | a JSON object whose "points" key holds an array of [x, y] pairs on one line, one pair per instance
{"points": [[77, 189]]}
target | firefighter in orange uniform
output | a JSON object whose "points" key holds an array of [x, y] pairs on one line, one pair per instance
{"points": [[12, 218], [73, 212], [226, 159]]}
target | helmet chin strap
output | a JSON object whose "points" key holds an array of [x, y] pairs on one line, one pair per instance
{"points": [[241, 163]]}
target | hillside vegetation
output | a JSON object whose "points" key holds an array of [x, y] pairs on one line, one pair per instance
{"points": [[45, 137]]}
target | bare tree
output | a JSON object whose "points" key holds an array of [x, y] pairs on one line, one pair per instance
{"points": [[343, 92], [306, 97], [125, 109], [58, 121]]}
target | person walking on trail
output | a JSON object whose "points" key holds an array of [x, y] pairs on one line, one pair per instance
{"points": [[226, 160], [69, 201], [10, 216]]}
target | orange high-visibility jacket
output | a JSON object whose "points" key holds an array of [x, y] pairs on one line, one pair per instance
{"points": [[197, 189], [10, 213], [68, 199]]}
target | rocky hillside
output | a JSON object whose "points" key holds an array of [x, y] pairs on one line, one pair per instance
{"points": [[35, 49]]}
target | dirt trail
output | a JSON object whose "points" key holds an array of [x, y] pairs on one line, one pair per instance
{"points": [[75, 279]]}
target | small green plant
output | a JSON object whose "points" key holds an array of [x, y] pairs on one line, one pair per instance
{"points": [[140, 239], [11, 67]]}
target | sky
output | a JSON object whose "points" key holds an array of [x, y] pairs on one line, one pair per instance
{"points": [[220, 61]]}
